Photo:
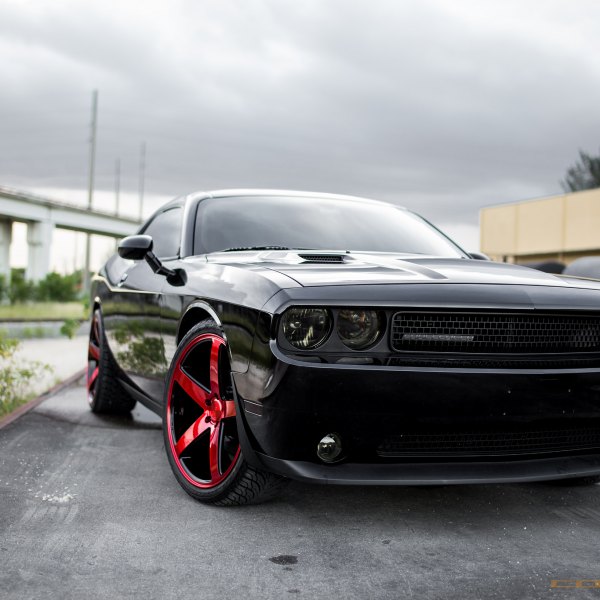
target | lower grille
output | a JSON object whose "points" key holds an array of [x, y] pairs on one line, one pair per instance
{"points": [[494, 362], [495, 333], [490, 443]]}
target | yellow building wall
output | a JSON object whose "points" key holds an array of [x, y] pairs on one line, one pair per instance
{"points": [[540, 226], [558, 227], [497, 230], [582, 221]]}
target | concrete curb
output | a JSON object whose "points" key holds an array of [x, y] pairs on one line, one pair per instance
{"points": [[25, 408], [40, 329]]}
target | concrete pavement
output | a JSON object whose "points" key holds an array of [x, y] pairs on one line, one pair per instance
{"points": [[89, 509]]}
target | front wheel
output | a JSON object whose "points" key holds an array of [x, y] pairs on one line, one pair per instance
{"points": [[199, 425]]}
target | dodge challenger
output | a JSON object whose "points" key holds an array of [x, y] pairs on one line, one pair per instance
{"points": [[325, 338]]}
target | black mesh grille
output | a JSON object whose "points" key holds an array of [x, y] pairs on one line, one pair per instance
{"points": [[322, 258], [495, 332], [480, 443]]}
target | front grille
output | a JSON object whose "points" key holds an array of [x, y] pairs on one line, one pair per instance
{"points": [[495, 333], [490, 443]]}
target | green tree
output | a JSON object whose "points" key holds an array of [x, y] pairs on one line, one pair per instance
{"points": [[583, 175]]}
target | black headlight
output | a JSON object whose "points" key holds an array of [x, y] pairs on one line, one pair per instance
{"points": [[306, 328], [358, 328]]}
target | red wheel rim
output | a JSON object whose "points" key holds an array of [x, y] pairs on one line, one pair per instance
{"points": [[201, 413], [93, 358]]}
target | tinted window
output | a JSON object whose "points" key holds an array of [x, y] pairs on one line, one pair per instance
{"points": [[165, 230], [315, 223]]}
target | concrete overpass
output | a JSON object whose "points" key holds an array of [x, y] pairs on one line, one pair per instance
{"points": [[42, 215]]}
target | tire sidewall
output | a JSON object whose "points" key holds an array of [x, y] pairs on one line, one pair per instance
{"points": [[109, 395], [95, 401]]}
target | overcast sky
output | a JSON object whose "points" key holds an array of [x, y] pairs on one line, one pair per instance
{"points": [[443, 106]]}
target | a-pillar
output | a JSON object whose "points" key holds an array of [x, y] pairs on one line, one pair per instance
{"points": [[5, 240], [39, 239]]}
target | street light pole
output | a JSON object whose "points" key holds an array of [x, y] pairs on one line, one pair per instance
{"points": [[117, 184], [86, 268], [142, 177]]}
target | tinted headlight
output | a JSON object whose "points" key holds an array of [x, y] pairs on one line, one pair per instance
{"points": [[357, 328], [306, 328]]}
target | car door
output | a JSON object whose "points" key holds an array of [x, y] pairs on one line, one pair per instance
{"points": [[132, 317]]}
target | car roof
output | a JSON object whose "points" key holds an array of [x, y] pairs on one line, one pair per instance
{"points": [[188, 201], [227, 193]]}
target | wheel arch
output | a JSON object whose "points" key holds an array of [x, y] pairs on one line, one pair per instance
{"points": [[196, 312]]}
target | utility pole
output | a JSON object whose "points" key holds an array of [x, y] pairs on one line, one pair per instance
{"points": [[86, 267], [117, 184], [142, 177]]}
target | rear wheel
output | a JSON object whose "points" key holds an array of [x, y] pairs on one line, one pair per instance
{"points": [[200, 429], [105, 394]]}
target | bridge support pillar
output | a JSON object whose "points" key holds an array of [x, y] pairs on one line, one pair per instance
{"points": [[39, 239], [5, 240]]}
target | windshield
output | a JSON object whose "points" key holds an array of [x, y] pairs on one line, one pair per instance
{"points": [[246, 222]]}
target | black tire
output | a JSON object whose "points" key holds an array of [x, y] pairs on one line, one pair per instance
{"points": [[199, 425], [576, 481], [105, 393]]}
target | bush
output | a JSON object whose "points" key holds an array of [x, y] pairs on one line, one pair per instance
{"points": [[20, 290], [58, 288], [86, 306], [69, 328], [53, 288], [3, 288], [15, 377]]}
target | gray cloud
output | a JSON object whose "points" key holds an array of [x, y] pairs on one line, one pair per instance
{"points": [[438, 106]]}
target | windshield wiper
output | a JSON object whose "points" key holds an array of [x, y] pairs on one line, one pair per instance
{"points": [[243, 248]]}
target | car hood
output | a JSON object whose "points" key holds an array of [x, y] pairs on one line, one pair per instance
{"points": [[352, 268]]}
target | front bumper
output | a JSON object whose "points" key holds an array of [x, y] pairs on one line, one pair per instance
{"points": [[291, 405], [440, 473]]}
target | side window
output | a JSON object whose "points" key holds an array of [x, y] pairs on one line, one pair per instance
{"points": [[165, 230]]}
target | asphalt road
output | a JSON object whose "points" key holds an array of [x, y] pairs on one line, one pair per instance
{"points": [[89, 509]]}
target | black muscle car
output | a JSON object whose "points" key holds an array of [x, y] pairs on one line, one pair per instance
{"points": [[342, 340]]}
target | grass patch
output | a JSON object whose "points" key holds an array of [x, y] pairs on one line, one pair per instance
{"points": [[16, 376], [41, 311], [7, 406]]}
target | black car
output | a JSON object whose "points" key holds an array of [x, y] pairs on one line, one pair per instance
{"points": [[342, 340]]}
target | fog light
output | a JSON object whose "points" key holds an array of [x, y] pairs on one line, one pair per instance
{"points": [[329, 448]]}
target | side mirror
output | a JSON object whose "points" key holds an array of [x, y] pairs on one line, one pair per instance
{"points": [[139, 247], [135, 247]]}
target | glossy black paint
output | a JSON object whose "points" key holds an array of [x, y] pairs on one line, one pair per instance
{"points": [[288, 400], [135, 247], [365, 404]]}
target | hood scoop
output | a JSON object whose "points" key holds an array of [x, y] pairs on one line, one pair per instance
{"points": [[322, 258]]}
